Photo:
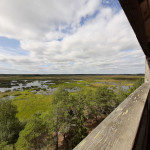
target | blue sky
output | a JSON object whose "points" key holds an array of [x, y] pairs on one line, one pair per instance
{"points": [[66, 36], [6, 42]]}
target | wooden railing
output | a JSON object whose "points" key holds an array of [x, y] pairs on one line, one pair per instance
{"points": [[124, 127]]}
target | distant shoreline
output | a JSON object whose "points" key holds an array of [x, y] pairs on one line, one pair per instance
{"points": [[65, 74]]}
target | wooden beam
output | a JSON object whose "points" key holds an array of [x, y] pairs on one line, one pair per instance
{"points": [[134, 15], [145, 10]]}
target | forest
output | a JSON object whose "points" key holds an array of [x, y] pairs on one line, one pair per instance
{"points": [[60, 120]]}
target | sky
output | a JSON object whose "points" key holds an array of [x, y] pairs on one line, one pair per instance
{"points": [[67, 37]]}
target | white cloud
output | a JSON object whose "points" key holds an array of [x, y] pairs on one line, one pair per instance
{"points": [[105, 43]]}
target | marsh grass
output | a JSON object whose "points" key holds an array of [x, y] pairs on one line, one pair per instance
{"points": [[28, 104], [4, 94]]}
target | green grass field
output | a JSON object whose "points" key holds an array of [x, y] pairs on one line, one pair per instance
{"points": [[28, 103]]}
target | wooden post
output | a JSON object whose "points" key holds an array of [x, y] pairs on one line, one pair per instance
{"points": [[147, 69]]}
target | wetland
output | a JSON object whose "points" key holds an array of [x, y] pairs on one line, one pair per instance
{"points": [[78, 103], [71, 82]]}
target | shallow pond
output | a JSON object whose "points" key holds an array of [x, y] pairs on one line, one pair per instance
{"points": [[38, 86], [24, 84]]}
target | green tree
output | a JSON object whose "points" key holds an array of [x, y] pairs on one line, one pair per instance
{"points": [[79, 130], [34, 134], [9, 124], [61, 112], [91, 104], [69, 117], [136, 84], [4, 146], [105, 100], [60, 95], [121, 95]]}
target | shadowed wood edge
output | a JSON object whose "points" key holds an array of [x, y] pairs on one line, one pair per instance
{"points": [[119, 129]]}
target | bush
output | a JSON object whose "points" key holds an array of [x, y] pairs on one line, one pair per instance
{"points": [[9, 124]]}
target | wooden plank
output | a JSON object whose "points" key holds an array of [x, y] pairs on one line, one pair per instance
{"points": [[119, 129]]}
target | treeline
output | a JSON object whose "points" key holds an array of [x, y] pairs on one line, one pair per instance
{"points": [[68, 116]]}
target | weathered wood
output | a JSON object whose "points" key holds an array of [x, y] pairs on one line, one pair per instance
{"points": [[119, 129], [147, 69]]}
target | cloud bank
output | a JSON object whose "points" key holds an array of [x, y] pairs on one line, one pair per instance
{"points": [[66, 36]]}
